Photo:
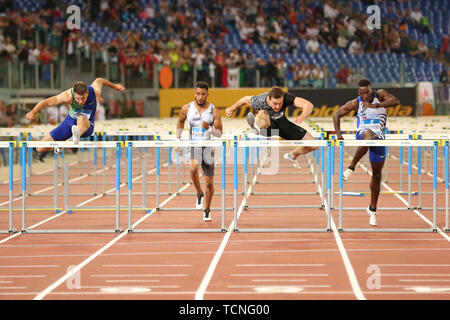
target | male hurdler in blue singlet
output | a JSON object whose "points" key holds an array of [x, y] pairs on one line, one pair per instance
{"points": [[82, 102], [371, 122]]}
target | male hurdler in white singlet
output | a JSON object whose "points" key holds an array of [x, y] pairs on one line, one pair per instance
{"points": [[204, 120]]}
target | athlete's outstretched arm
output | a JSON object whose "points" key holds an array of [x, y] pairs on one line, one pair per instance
{"points": [[307, 107], [100, 82], [241, 102], [64, 97], [342, 111]]}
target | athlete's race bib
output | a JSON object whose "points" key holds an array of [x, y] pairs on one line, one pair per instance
{"points": [[374, 125], [199, 133], [76, 113]]}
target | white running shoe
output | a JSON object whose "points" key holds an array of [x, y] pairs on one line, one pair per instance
{"points": [[373, 217], [288, 156], [206, 215], [199, 201], [75, 135], [58, 150], [251, 122], [347, 173]]}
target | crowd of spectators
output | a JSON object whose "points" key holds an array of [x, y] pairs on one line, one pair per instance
{"points": [[191, 35]]}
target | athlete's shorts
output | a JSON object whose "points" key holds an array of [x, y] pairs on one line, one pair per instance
{"points": [[376, 154], [64, 130], [205, 157], [285, 129]]}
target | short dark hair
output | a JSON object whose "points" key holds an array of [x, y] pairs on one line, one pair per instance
{"points": [[364, 83], [202, 85], [80, 88], [276, 93]]}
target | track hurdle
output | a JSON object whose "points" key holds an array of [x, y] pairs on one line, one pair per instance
{"points": [[407, 143], [66, 144], [171, 144], [275, 145], [10, 145]]}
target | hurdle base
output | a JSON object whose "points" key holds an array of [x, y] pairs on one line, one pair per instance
{"points": [[68, 231], [281, 230], [174, 230], [388, 230], [13, 230]]}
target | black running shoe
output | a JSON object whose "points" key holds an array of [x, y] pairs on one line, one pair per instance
{"points": [[206, 215]]}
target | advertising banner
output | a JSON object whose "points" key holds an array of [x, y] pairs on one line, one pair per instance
{"points": [[171, 100], [327, 101]]}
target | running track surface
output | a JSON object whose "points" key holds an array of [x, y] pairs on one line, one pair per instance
{"points": [[227, 265]]}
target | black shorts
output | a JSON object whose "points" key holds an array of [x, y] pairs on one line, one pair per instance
{"points": [[205, 157], [286, 129]]}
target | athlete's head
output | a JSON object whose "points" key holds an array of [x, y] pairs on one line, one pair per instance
{"points": [[276, 98], [201, 93], [81, 92], [365, 90]]}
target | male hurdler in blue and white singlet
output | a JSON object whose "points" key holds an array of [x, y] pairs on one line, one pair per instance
{"points": [[82, 102], [370, 107]]}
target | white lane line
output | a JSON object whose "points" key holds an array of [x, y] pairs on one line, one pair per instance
{"points": [[76, 269], [199, 294], [280, 275], [424, 280], [347, 264], [32, 266], [146, 265], [24, 276], [402, 199], [278, 280], [413, 265], [302, 286], [281, 265], [137, 275], [133, 281]]}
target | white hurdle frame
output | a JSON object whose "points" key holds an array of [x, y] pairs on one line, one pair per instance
{"points": [[10, 145], [67, 144], [393, 143], [171, 144], [322, 144]]}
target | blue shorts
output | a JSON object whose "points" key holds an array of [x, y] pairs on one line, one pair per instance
{"points": [[376, 154], [64, 130]]}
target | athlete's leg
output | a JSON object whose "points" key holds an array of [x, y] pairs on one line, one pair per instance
{"points": [[209, 180], [60, 133], [83, 124], [47, 137], [360, 152], [195, 176], [375, 183], [262, 119], [299, 151]]}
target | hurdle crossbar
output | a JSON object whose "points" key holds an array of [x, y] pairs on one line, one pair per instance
{"points": [[401, 143]]}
